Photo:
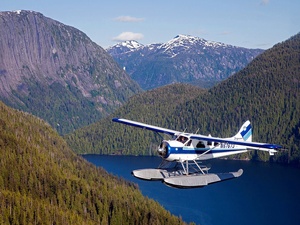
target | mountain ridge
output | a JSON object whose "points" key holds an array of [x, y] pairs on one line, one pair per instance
{"points": [[184, 58]]}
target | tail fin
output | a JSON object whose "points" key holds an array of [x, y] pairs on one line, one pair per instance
{"points": [[245, 132]]}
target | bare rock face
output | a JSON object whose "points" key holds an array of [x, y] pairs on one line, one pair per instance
{"points": [[56, 72]]}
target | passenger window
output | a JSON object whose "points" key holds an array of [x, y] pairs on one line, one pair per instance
{"points": [[200, 145]]}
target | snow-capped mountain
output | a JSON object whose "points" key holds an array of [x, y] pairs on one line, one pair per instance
{"points": [[186, 43], [124, 47], [184, 58]]}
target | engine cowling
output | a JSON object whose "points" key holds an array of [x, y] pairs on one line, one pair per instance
{"points": [[163, 149]]}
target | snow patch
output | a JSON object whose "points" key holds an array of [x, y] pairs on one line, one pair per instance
{"points": [[131, 44], [18, 12]]}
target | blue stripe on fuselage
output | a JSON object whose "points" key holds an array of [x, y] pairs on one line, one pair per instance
{"points": [[180, 150]]}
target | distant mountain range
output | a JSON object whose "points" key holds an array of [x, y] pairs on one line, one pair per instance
{"points": [[184, 59], [267, 92], [56, 72]]}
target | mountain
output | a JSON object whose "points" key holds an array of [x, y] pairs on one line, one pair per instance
{"points": [[267, 92], [42, 181], [124, 47], [185, 59], [57, 73]]}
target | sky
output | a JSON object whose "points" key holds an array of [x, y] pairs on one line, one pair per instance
{"points": [[243, 23]]}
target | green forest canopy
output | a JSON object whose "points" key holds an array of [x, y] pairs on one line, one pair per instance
{"points": [[42, 181]]}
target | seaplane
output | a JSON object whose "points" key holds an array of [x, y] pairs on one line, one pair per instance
{"points": [[183, 153]]}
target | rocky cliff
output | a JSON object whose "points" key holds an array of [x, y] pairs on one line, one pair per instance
{"points": [[56, 72]]}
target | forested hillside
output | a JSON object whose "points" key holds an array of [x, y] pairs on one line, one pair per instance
{"points": [[155, 106], [42, 181], [267, 92]]}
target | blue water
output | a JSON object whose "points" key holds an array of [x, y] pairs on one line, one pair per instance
{"points": [[265, 193]]}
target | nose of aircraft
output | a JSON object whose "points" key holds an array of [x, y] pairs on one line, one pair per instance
{"points": [[163, 149]]}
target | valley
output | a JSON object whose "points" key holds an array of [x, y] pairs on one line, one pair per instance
{"points": [[59, 91]]}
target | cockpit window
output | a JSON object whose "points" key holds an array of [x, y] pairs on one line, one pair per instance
{"points": [[182, 139], [188, 143]]}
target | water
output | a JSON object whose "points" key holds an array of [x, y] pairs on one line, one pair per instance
{"points": [[265, 193]]}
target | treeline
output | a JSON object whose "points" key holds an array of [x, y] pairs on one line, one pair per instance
{"points": [[267, 92], [42, 181]]}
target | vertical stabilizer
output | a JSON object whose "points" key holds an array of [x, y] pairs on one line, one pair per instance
{"points": [[245, 133]]}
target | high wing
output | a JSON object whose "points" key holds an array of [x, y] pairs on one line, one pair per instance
{"points": [[145, 126], [253, 145], [256, 145]]}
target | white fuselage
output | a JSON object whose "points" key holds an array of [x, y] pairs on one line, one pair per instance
{"points": [[174, 150]]}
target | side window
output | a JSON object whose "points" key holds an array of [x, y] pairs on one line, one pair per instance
{"points": [[200, 145]]}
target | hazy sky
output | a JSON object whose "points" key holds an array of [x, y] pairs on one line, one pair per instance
{"points": [[244, 23]]}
